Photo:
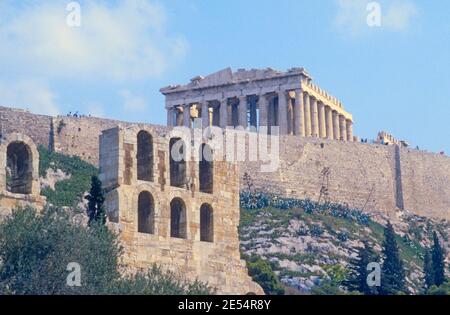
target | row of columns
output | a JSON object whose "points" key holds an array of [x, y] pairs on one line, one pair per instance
{"points": [[302, 115]]}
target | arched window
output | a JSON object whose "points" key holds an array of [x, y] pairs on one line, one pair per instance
{"points": [[19, 169], [206, 169], [146, 213], [144, 156], [177, 153], [206, 223], [178, 220]]}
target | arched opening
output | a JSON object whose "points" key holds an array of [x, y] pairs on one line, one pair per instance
{"points": [[178, 220], [206, 223], [146, 213], [19, 169], [144, 156], [177, 153], [206, 169]]}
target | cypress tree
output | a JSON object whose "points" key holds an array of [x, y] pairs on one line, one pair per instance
{"points": [[96, 199], [428, 270], [393, 273], [437, 258], [357, 279]]}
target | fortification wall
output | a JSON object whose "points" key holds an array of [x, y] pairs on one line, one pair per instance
{"points": [[426, 183], [360, 175], [79, 135], [37, 127], [371, 177]]}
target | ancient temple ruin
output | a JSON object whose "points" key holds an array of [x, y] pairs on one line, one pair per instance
{"points": [[255, 98]]}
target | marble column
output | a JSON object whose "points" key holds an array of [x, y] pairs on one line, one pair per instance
{"points": [[314, 119], [243, 111], [179, 117], [282, 112], [299, 112], [262, 105], [343, 128], [349, 130], [170, 114], [329, 122], [187, 115], [336, 130], [224, 113], [307, 104], [205, 114], [322, 128]]}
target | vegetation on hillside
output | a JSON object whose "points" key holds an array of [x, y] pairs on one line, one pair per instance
{"points": [[68, 192], [303, 240], [40, 252]]}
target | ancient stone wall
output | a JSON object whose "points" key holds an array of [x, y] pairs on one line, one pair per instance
{"points": [[360, 175], [37, 127], [151, 229], [426, 183], [19, 174], [372, 177], [78, 136]]}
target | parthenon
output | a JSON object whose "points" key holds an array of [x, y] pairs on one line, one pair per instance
{"points": [[259, 97]]}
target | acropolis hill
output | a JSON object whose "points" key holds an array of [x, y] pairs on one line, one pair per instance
{"points": [[316, 141]]}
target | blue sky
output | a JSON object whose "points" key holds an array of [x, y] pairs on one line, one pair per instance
{"points": [[395, 77]]}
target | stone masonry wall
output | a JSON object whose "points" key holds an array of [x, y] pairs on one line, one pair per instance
{"points": [[37, 127], [217, 262], [360, 175], [79, 136], [426, 183]]}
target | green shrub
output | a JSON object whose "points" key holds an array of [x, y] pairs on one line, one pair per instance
{"points": [[158, 282], [35, 250], [70, 191], [262, 273], [444, 289]]}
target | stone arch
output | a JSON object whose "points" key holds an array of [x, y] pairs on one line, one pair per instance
{"points": [[19, 167], [206, 223], [206, 169], [146, 213], [177, 156], [144, 156], [178, 218]]}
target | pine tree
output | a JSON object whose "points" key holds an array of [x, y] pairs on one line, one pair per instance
{"points": [[393, 273], [437, 261], [96, 199], [428, 270], [357, 279]]}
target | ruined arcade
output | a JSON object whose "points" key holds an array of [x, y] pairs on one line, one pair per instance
{"points": [[19, 173], [181, 214]]}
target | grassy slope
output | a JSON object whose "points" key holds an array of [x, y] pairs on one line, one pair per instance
{"points": [[67, 192]]}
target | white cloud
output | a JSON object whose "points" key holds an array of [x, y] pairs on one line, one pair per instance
{"points": [[127, 40], [399, 15], [396, 15], [132, 103], [32, 95]]}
